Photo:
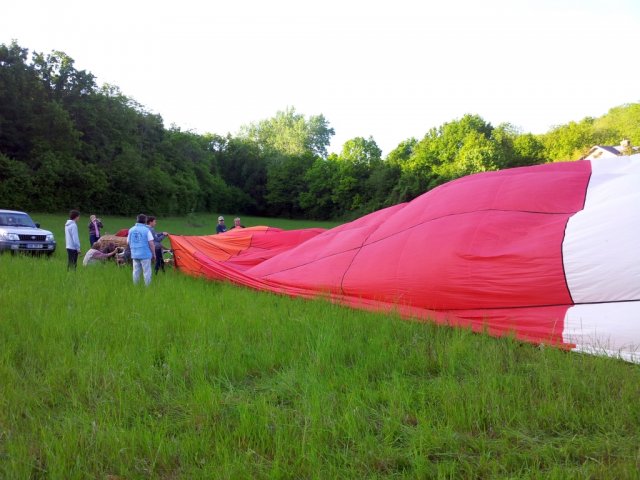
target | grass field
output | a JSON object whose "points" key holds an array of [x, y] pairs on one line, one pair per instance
{"points": [[194, 379]]}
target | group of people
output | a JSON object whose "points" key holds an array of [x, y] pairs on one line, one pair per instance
{"points": [[94, 254], [72, 240], [143, 242], [146, 245], [221, 227]]}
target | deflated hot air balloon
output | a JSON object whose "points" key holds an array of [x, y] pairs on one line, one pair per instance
{"points": [[549, 254]]}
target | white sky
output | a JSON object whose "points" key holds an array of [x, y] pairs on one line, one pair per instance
{"points": [[391, 69]]}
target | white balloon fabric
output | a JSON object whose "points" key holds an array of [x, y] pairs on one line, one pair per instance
{"points": [[601, 254]]}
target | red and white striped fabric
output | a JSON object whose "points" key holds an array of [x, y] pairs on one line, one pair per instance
{"points": [[547, 253], [602, 262]]}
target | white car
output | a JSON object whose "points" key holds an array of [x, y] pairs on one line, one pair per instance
{"points": [[18, 233]]}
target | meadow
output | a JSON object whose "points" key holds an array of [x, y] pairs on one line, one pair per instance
{"points": [[201, 380]]}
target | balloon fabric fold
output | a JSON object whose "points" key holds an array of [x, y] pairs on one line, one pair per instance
{"points": [[548, 254]]}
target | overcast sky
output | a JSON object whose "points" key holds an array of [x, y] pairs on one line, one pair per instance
{"points": [[388, 69]]}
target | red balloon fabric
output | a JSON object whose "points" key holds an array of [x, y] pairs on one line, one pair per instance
{"points": [[546, 253]]}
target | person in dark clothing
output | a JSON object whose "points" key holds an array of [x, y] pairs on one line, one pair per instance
{"points": [[221, 227], [95, 224], [237, 223], [157, 241]]}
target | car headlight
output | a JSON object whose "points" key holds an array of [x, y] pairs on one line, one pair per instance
{"points": [[49, 238], [9, 236]]}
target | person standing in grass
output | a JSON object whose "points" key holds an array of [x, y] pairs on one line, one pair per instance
{"points": [[72, 239], [140, 240], [157, 242], [236, 223], [95, 224], [221, 227]]}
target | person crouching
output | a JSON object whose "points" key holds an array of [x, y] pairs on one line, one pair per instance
{"points": [[94, 254]]}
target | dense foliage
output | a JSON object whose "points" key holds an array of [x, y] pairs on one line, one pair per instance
{"points": [[67, 143]]}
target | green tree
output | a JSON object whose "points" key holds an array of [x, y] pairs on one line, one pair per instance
{"points": [[358, 158], [361, 151], [570, 141], [317, 200], [380, 184], [289, 133], [244, 168], [527, 150], [15, 184], [59, 76], [404, 187], [622, 122], [476, 154], [79, 145], [285, 184], [18, 101], [402, 152], [454, 149], [517, 149]]}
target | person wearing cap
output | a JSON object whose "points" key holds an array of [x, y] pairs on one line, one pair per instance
{"points": [[221, 227]]}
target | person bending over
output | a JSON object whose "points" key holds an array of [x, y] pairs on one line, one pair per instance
{"points": [[94, 255]]}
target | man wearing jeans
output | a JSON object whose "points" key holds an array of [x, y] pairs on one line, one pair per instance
{"points": [[72, 240], [140, 240]]}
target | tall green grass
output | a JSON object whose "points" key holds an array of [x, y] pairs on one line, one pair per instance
{"points": [[194, 379]]}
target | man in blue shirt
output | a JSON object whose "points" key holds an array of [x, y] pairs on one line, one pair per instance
{"points": [[221, 227], [140, 240]]}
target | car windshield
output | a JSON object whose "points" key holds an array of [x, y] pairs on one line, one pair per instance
{"points": [[16, 220]]}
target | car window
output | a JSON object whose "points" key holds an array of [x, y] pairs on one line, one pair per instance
{"points": [[24, 221], [17, 220]]}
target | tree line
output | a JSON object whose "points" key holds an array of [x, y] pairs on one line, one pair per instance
{"points": [[66, 142]]}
